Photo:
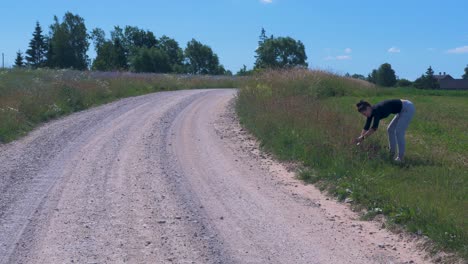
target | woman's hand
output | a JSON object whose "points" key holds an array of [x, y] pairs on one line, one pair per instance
{"points": [[358, 140], [365, 134]]}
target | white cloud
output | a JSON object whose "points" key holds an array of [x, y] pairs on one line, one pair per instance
{"points": [[266, 1], [348, 50], [340, 57], [459, 50], [394, 50], [343, 57]]}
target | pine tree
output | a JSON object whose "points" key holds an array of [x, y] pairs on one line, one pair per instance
{"points": [[427, 81], [19, 59], [36, 54], [262, 37], [431, 82], [430, 72], [465, 76]]}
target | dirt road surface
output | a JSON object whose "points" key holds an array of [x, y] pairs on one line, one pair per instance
{"points": [[170, 178]]}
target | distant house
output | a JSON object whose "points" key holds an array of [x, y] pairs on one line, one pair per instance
{"points": [[447, 82], [443, 76]]}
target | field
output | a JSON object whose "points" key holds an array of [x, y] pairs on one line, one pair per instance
{"points": [[310, 117], [30, 97]]}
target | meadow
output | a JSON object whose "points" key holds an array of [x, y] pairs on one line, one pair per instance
{"points": [[310, 117], [31, 97]]}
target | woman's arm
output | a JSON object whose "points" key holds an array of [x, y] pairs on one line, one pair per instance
{"points": [[368, 133], [365, 134]]}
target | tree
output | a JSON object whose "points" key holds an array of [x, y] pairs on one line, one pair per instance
{"points": [[151, 60], [133, 47], [99, 37], [118, 36], [68, 43], [118, 33], [201, 59], [430, 81], [262, 37], [110, 57], [138, 38], [130, 40], [281, 52], [465, 76], [134, 38], [244, 72], [174, 53], [58, 49], [427, 81], [386, 76], [358, 76], [430, 72], [36, 54], [372, 77], [19, 59]]}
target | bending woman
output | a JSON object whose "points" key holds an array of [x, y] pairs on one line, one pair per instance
{"points": [[404, 111]]}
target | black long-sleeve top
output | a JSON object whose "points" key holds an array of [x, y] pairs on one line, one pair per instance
{"points": [[382, 110]]}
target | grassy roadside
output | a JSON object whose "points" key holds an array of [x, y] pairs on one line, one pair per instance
{"points": [[30, 97], [310, 117]]}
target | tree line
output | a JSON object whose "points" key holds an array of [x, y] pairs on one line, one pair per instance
{"points": [[385, 76], [133, 49], [128, 48]]}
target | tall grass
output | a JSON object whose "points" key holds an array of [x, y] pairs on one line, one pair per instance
{"points": [[30, 97], [310, 116]]}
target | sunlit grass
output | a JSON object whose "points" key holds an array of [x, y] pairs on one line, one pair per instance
{"points": [[310, 116]]}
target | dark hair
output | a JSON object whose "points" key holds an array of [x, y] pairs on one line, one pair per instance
{"points": [[362, 105]]}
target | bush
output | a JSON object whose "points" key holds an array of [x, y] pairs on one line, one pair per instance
{"points": [[404, 83]]}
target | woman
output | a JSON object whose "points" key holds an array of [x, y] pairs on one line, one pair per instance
{"points": [[404, 111]]}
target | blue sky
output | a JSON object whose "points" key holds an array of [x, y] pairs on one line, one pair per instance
{"points": [[340, 36]]}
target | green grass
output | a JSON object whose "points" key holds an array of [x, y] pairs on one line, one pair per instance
{"points": [[31, 97], [311, 117]]}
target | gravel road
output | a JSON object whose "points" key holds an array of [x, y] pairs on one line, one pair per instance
{"points": [[171, 177]]}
